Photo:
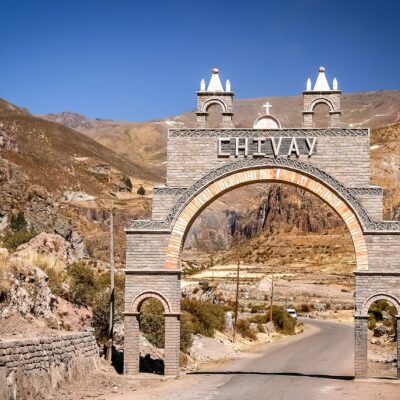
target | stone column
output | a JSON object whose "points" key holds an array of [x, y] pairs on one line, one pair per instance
{"points": [[131, 343], [227, 120], [335, 119], [308, 119], [398, 346], [361, 346], [201, 121], [172, 344]]}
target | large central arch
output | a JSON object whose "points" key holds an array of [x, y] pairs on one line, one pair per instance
{"points": [[271, 174]]}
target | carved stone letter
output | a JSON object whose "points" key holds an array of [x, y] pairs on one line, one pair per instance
{"points": [[276, 147], [220, 141], [244, 146], [258, 153], [293, 148], [311, 144]]}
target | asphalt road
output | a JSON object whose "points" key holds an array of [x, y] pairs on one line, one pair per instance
{"points": [[304, 368]]}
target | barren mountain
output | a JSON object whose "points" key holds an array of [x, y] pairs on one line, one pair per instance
{"points": [[145, 143], [63, 181]]}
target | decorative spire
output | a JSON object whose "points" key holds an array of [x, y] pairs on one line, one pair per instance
{"points": [[321, 85], [202, 85], [228, 86], [335, 85], [308, 87], [215, 84]]}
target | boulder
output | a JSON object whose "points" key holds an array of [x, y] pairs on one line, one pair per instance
{"points": [[50, 245], [29, 295]]}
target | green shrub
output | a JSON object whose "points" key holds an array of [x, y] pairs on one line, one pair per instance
{"points": [[371, 323], [280, 317], [152, 323], [244, 329], [205, 317], [257, 308], [82, 284], [304, 307], [187, 331], [260, 328], [101, 303], [13, 239], [57, 278], [18, 222]]}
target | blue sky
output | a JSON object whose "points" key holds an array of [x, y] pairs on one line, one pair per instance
{"points": [[140, 60]]}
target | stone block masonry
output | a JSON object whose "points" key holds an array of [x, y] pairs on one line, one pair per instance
{"points": [[30, 368]]}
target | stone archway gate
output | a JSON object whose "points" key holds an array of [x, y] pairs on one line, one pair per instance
{"points": [[203, 164], [338, 171]]}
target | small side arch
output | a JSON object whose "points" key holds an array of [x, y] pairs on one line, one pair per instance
{"points": [[151, 294], [322, 100], [380, 296], [211, 102]]}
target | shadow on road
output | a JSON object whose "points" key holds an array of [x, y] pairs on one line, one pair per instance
{"points": [[321, 376]]}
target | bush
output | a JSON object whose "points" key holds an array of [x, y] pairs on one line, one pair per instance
{"points": [[280, 317], [371, 323], [257, 309], [304, 307], [152, 323], [82, 284], [244, 329], [205, 317], [187, 330], [18, 222], [260, 328], [141, 191], [57, 278], [5, 284], [13, 239], [101, 303]]}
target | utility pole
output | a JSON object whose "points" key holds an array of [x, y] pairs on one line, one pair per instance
{"points": [[237, 301], [112, 294], [272, 299]]}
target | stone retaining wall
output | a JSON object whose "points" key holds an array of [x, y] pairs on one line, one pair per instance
{"points": [[32, 367]]}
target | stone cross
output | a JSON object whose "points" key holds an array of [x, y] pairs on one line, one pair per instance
{"points": [[267, 106]]}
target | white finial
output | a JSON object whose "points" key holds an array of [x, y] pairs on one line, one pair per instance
{"points": [[202, 85], [215, 84], [321, 85], [335, 85], [228, 86], [308, 84], [267, 106]]}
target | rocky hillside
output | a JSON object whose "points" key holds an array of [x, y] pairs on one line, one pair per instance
{"points": [[64, 182], [271, 209], [145, 143]]}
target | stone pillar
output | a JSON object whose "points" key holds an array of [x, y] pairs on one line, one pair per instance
{"points": [[172, 344], [227, 120], [131, 343], [398, 346], [308, 119], [361, 346], [335, 119], [201, 121]]}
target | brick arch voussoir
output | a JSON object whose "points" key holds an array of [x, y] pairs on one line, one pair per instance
{"points": [[321, 100], [182, 218], [207, 104], [380, 296], [150, 294]]}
